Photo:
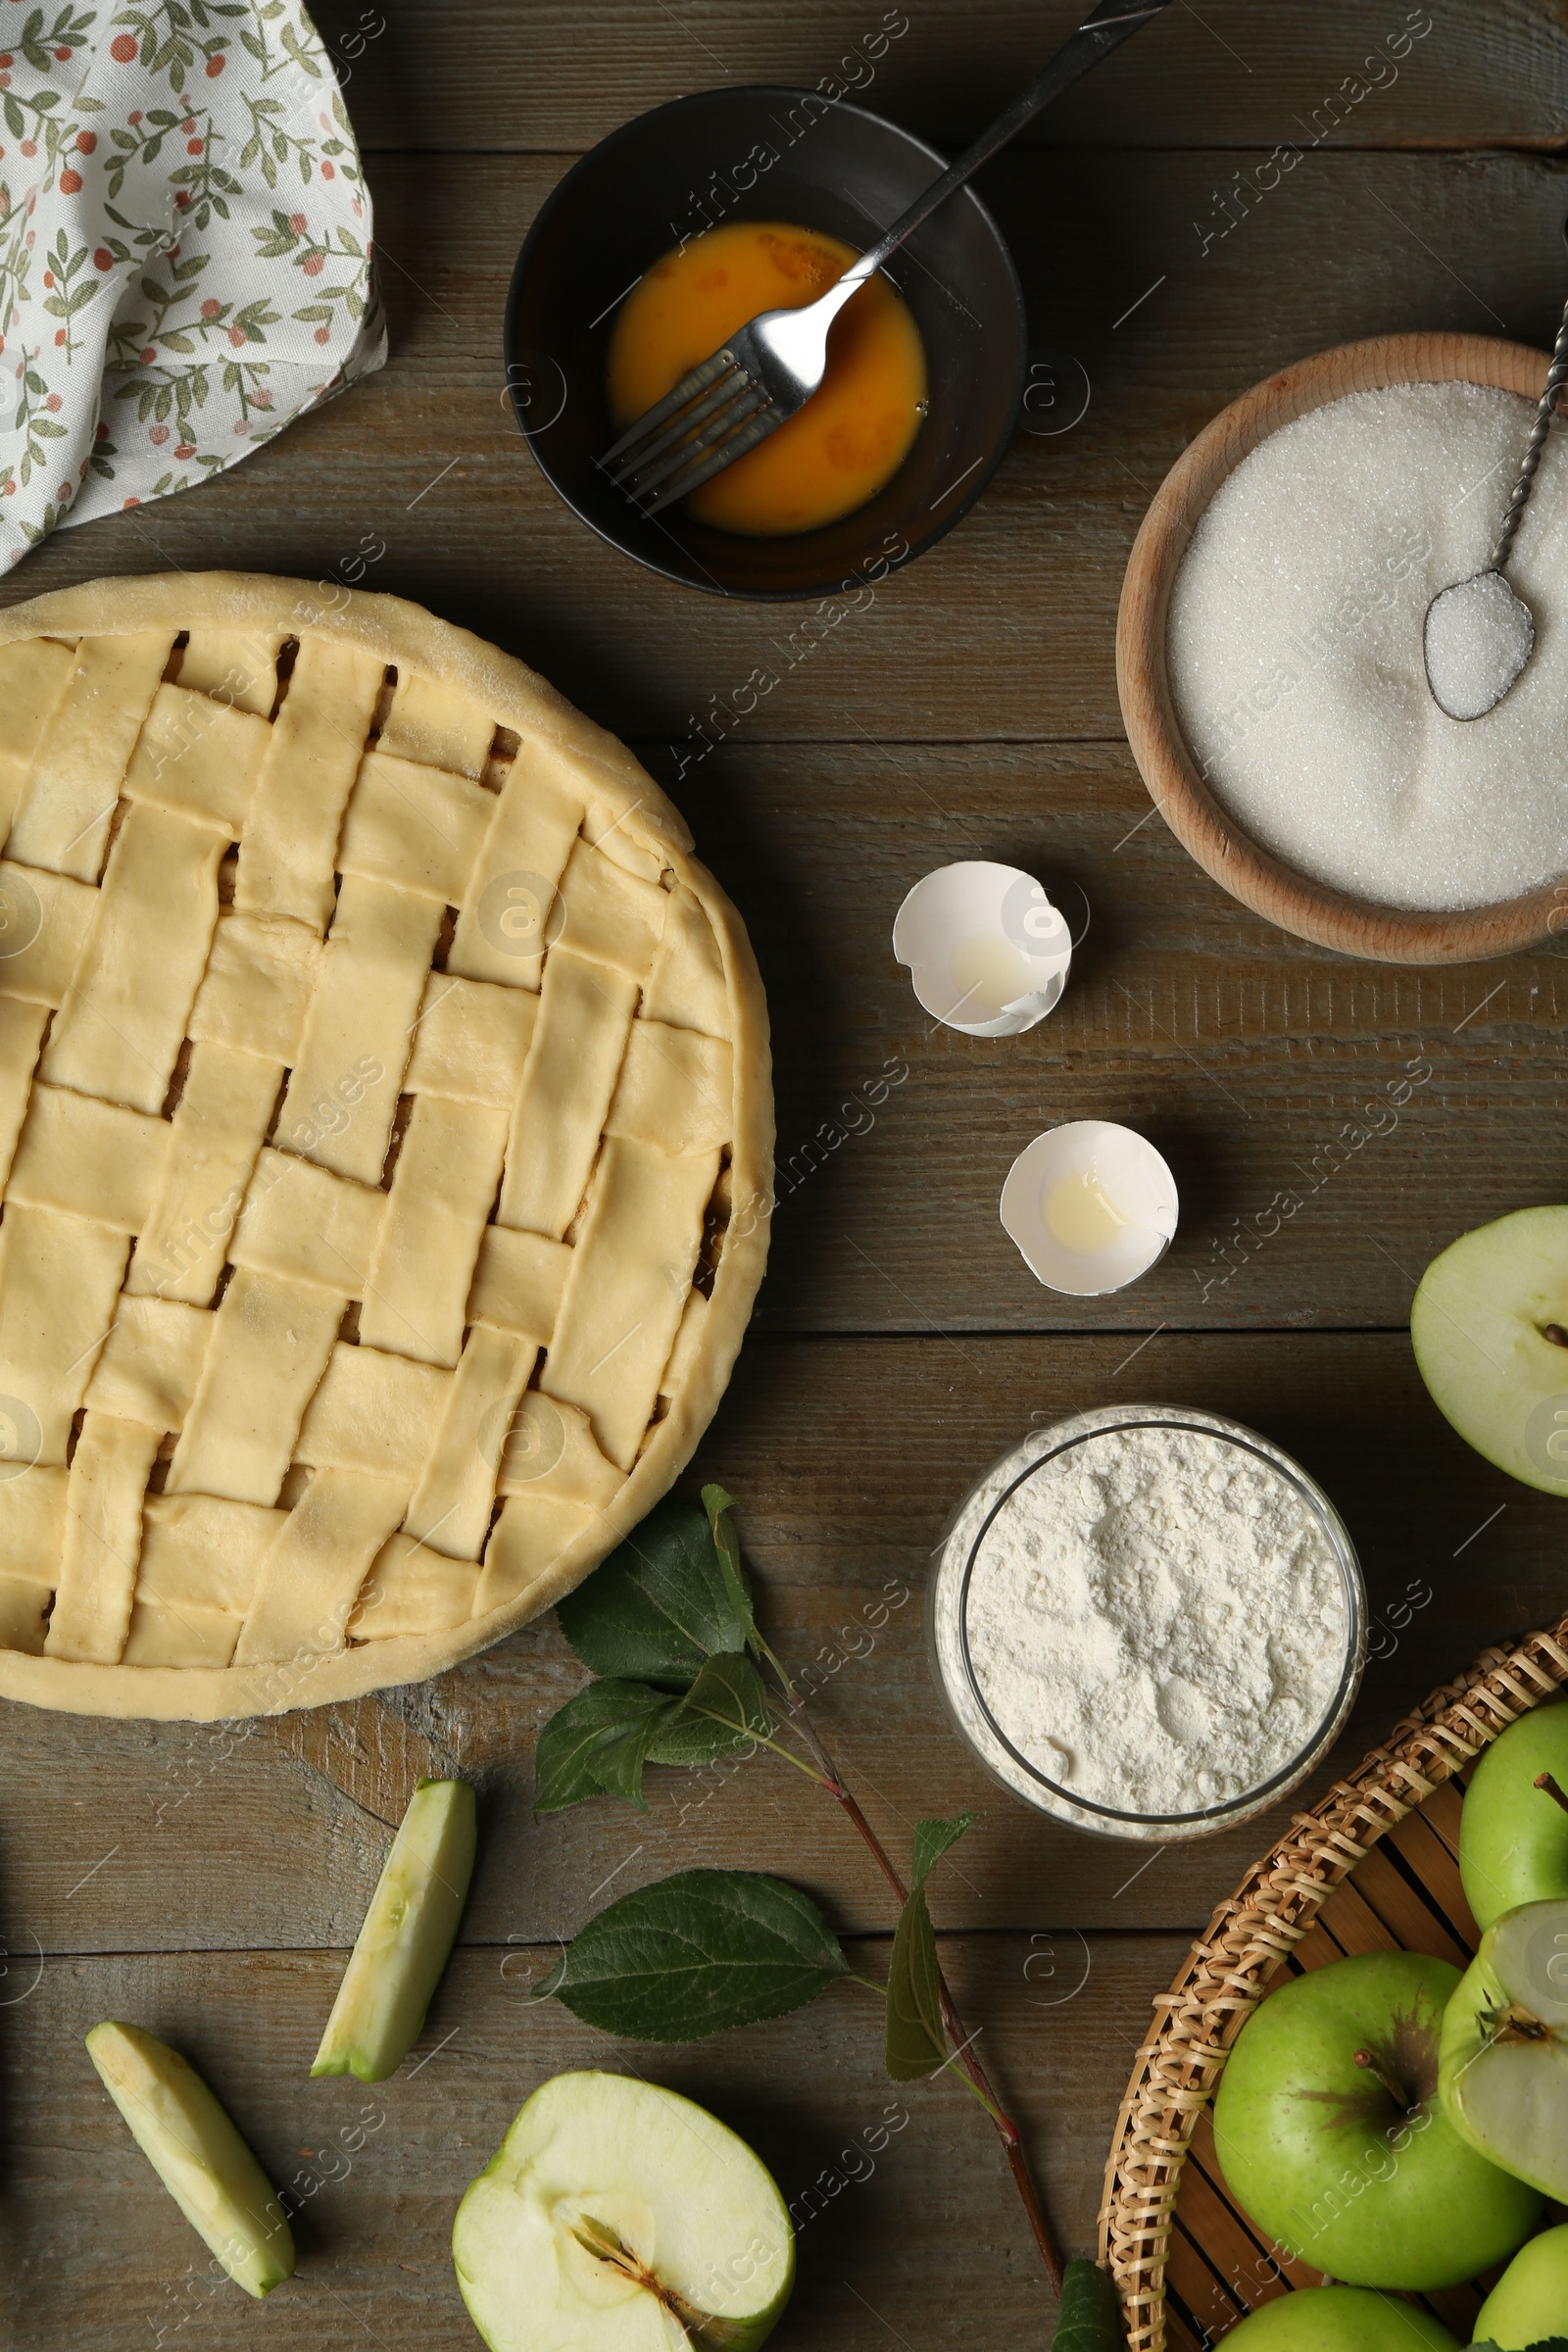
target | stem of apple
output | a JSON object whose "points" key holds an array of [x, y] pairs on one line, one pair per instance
{"points": [[1383, 2073], [1545, 1781], [960, 2042]]}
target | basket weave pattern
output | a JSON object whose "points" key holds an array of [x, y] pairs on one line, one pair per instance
{"points": [[1248, 1939]]}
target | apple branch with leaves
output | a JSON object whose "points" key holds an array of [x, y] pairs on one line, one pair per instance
{"points": [[687, 1678]]}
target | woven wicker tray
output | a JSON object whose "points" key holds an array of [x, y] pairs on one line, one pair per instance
{"points": [[1374, 1867]]}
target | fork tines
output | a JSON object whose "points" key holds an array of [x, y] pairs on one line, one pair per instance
{"points": [[714, 415]]}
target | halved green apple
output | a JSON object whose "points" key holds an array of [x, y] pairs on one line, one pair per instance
{"points": [[1529, 2301], [1481, 1325], [191, 2143], [406, 1938], [616, 2214], [1502, 2068]]}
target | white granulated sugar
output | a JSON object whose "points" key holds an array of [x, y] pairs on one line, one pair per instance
{"points": [[1478, 640], [1156, 1618], [1295, 649]]}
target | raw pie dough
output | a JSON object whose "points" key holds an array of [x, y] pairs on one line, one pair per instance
{"points": [[379, 1070]]}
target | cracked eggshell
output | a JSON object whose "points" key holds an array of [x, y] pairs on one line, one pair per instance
{"points": [[988, 953], [1134, 1184]]}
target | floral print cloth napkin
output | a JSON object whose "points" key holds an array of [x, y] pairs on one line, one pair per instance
{"points": [[185, 248]]}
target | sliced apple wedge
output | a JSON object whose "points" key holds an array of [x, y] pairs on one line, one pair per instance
{"points": [[406, 1938], [1502, 2069], [1490, 1328], [192, 2145], [617, 2217]]}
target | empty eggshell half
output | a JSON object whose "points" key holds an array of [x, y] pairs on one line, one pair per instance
{"points": [[1090, 1206], [987, 951]]}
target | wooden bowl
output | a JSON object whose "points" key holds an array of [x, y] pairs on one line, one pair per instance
{"points": [[1374, 1867], [1312, 909]]}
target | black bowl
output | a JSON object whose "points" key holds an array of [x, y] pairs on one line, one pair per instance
{"points": [[765, 154]]}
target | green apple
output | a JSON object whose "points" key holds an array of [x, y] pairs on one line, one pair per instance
{"points": [[1513, 1833], [1504, 2064], [1333, 2139], [406, 1938], [1529, 2301], [1340, 2318], [614, 2215], [196, 2152], [1490, 1329]]}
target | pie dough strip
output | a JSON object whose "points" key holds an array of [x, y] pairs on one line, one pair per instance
{"points": [[585, 1012], [608, 915], [518, 1283], [59, 1280], [512, 912], [310, 1577], [472, 1040], [63, 818], [33, 1530], [102, 1545], [687, 986], [201, 1551], [287, 859], [550, 1451], [303, 1224], [676, 1090], [44, 921], [416, 826], [256, 991], [531, 1532], [238, 666], [344, 1088], [197, 758], [456, 1493], [20, 1035], [443, 1187], [34, 675], [373, 1412], [220, 1123], [269, 1349], [151, 1362], [413, 1590], [89, 1159], [118, 1031], [439, 726], [630, 1273]]}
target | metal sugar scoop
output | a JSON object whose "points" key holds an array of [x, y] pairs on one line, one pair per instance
{"points": [[1479, 633]]}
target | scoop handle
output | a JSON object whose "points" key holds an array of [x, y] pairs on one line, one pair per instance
{"points": [[1519, 498]]}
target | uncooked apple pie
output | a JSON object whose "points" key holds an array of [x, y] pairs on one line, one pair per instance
{"points": [[378, 1072]]}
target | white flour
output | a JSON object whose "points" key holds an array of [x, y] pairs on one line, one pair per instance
{"points": [[1156, 1619]]}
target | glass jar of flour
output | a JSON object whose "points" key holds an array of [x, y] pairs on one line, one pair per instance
{"points": [[1149, 1621]]}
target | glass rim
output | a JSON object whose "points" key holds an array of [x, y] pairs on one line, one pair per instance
{"points": [[1197, 1424]]}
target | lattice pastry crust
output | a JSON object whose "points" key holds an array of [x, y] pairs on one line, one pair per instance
{"points": [[377, 1073]]}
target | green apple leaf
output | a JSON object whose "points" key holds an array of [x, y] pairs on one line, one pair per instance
{"points": [[590, 1746], [1545, 2343], [932, 1839], [916, 2042], [695, 1954], [660, 1605], [722, 1713], [718, 1506], [1089, 2318]]}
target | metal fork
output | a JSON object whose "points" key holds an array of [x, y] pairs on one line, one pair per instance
{"points": [[746, 390]]}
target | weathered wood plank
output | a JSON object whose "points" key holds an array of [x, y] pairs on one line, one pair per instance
{"points": [[848, 1456], [1233, 75], [99, 2254], [1020, 599]]}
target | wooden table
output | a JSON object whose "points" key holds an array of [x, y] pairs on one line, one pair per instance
{"points": [[207, 1886]]}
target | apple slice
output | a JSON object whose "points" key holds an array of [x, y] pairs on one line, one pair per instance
{"points": [[1529, 2301], [1340, 2318], [1481, 1325], [193, 2147], [1330, 2135], [1504, 2064], [1513, 1833], [614, 2215], [406, 1938]]}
